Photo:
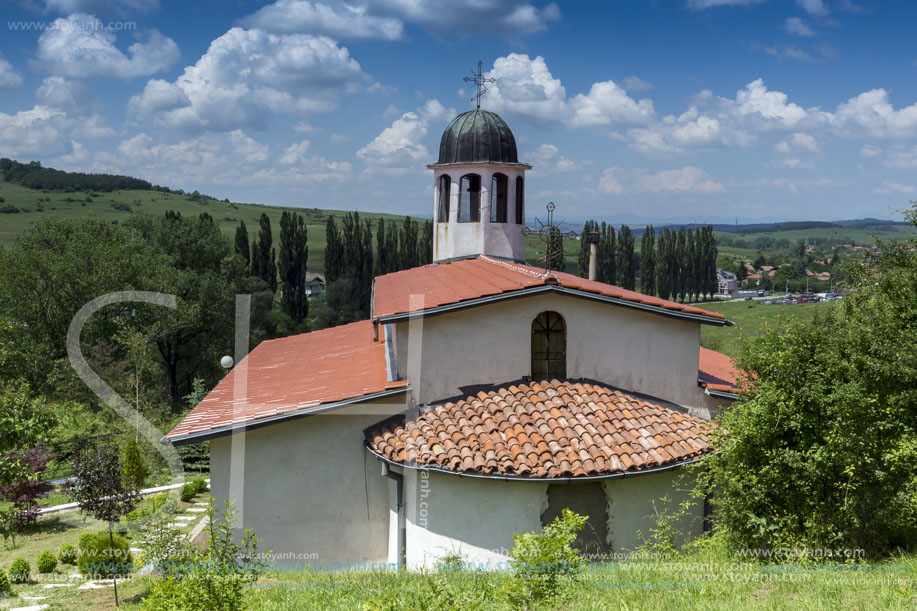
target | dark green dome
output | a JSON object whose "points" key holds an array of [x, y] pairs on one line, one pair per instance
{"points": [[477, 136]]}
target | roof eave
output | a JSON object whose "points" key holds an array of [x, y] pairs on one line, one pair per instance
{"points": [[192, 438], [535, 290], [509, 477], [523, 166]]}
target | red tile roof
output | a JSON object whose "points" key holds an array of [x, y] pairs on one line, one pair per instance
{"points": [[716, 371], [546, 429], [291, 374], [429, 286]]}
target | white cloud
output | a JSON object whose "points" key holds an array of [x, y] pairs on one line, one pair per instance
{"points": [[792, 163], [39, 131], [340, 20], [794, 185], [226, 159], [106, 7], [610, 182], [870, 151], [547, 158], [872, 113], [703, 4], [80, 47], [898, 158], [635, 83], [304, 127], [813, 7], [399, 148], [782, 52], [62, 93], [795, 25], [889, 186], [798, 142], [9, 78], [525, 87], [338, 138], [608, 104], [689, 179], [385, 19], [246, 76]]}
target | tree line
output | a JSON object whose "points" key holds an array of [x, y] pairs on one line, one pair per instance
{"points": [[33, 176], [673, 264]]}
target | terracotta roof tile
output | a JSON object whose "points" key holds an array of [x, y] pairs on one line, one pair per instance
{"points": [[292, 373], [656, 437], [430, 286], [716, 371]]}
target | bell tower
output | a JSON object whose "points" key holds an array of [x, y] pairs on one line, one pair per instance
{"points": [[478, 187]]}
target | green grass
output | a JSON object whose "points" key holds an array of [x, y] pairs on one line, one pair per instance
{"points": [[752, 318], [226, 215]]}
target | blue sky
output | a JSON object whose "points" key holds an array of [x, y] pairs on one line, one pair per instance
{"points": [[682, 110]]}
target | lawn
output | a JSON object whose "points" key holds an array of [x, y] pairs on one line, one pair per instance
{"points": [[50, 533], [752, 318]]}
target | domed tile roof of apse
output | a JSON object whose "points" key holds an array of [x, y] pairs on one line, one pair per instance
{"points": [[477, 136]]}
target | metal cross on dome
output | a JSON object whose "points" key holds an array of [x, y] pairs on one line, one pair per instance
{"points": [[548, 232], [479, 79]]}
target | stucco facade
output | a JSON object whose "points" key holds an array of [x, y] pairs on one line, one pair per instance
{"points": [[626, 348], [308, 489], [447, 515]]}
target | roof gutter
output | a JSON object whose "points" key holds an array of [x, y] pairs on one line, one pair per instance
{"points": [[524, 478], [537, 290], [720, 394], [207, 435]]}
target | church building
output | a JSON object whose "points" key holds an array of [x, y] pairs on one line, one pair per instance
{"points": [[481, 398]]}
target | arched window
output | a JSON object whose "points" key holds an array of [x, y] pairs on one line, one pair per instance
{"points": [[549, 347], [520, 203], [470, 199], [498, 199], [445, 184]]}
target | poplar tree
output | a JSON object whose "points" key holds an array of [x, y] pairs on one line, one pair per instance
{"points": [[242, 248], [554, 258], [425, 245], [294, 255], [607, 268], [407, 246], [627, 272], [681, 256], [264, 263], [382, 255], [333, 251], [648, 261]]}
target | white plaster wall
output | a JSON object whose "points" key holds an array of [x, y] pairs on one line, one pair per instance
{"points": [[629, 349], [454, 239], [310, 488], [446, 514], [635, 500], [477, 518]]}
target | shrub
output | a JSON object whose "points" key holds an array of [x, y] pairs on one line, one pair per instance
{"points": [[19, 571], [211, 580], [539, 560], [5, 587], [100, 558], [8, 209], [46, 562], [200, 484], [135, 470], [67, 554], [188, 492]]}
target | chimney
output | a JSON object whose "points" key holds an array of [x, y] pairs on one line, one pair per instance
{"points": [[592, 236]]}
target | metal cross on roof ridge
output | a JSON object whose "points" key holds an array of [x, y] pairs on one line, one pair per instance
{"points": [[479, 79], [548, 232]]}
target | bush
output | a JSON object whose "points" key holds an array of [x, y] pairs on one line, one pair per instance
{"points": [[9, 209], [135, 470], [46, 562], [67, 554], [19, 571], [98, 558], [200, 484], [539, 560], [188, 492], [212, 580], [5, 587]]}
